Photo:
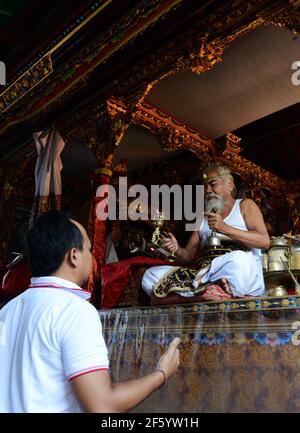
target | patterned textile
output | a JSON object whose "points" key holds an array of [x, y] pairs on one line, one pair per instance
{"points": [[213, 292], [236, 355], [180, 279]]}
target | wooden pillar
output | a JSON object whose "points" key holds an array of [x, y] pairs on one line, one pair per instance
{"points": [[110, 130]]}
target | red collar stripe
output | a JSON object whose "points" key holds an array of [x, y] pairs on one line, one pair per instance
{"points": [[56, 286]]}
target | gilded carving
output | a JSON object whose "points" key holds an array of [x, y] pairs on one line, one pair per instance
{"points": [[76, 72], [170, 140], [110, 128], [287, 16], [175, 135], [229, 147], [31, 78], [106, 165], [222, 27], [194, 49], [119, 119], [6, 192], [227, 40], [201, 56]]}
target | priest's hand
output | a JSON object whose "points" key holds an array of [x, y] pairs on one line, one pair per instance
{"points": [[216, 222], [170, 243]]}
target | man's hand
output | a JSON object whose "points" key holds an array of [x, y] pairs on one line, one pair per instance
{"points": [[96, 393], [170, 243], [169, 362], [215, 222]]}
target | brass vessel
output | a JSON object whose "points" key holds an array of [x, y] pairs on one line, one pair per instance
{"points": [[294, 257], [264, 260], [278, 253], [277, 291]]}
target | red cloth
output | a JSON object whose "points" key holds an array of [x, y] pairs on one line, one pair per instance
{"points": [[115, 277], [97, 232], [16, 280], [214, 292]]}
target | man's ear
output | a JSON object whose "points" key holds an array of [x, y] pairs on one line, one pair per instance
{"points": [[231, 185], [72, 257]]}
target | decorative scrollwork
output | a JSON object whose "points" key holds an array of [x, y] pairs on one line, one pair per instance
{"points": [[229, 146], [31, 78], [287, 16], [201, 56]]}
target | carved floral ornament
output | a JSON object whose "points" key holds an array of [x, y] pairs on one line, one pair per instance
{"points": [[174, 135], [229, 146], [201, 56], [117, 36], [198, 56], [24, 84], [198, 52], [287, 16]]}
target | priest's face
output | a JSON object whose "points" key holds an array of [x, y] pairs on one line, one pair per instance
{"points": [[217, 190]]}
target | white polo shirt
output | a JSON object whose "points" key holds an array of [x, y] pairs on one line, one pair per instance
{"points": [[49, 335]]}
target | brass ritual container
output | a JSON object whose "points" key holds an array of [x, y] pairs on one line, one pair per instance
{"points": [[295, 257], [213, 241], [264, 260], [277, 291], [279, 251]]}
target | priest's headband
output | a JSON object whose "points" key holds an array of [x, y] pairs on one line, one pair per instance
{"points": [[222, 172]]}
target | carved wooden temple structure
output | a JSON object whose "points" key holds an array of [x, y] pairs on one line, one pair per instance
{"points": [[153, 90]]}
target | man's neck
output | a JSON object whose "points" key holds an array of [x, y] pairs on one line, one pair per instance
{"points": [[228, 205], [65, 276]]}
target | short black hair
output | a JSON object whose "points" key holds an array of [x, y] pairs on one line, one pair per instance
{"points": [[49, 239]]}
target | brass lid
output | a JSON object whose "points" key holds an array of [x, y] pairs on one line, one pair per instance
{"points": [[279, 241]]}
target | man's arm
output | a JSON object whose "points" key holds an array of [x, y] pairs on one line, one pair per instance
{"points": [[183, 255], [96, 393], [257, 235]]}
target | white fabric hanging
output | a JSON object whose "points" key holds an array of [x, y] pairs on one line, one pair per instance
{"points": [[111, 255], [49, 145]]}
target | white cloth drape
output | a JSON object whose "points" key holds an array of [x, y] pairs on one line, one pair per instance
{"points": [[111, 255], [49, 145]]}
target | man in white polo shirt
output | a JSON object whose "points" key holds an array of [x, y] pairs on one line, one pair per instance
{"points": [[52, 354]]}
